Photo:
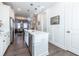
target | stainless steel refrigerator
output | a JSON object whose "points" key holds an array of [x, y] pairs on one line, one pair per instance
{"points": [[11, 29]]}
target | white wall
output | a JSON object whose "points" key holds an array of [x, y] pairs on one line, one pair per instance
{"points": [[69, 21], [56, 32]]}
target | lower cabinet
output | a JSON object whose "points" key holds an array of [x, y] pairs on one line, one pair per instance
{"points": [[1, 47], [5, 14], [39, 45], [40, 48], [4, 43]]}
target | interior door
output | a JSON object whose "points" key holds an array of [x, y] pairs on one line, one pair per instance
{"points": [[72, 27], [75, 29]]}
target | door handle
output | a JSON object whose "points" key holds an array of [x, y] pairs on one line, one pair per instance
{"points": [[3, 40], [68, 32]]}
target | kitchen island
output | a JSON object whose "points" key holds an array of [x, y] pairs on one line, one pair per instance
{"points": [[37, 42]]}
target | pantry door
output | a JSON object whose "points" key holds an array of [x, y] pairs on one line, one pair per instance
{"points": [[75, 29], [72, 28]]}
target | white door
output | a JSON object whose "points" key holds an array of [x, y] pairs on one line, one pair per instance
{"points": [[44, 22], [72, 28], [75, 29]]}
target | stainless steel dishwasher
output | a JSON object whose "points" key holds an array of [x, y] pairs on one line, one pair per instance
{"points": [[28, 41]]}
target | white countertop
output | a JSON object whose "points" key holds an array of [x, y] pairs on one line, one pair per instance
{"points": [[35, 32], [39, 42]]}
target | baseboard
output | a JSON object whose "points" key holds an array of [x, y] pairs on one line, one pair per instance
{"points": [[58, 45], [44, 54], [7, 48]]}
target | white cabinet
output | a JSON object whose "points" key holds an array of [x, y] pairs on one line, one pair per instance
{"points": [[1, 47], [4, 28], [38, 43]]}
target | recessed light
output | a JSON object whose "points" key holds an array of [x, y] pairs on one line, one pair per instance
{"points": [[35, 8], [18, 9], [31, 4]]}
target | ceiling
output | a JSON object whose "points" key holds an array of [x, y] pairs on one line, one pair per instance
{"points": [[29, 8]]}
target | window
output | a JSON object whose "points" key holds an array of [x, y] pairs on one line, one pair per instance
{"points": [[25, 25], [18, 25]]}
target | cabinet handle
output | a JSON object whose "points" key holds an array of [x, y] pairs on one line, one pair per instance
{"points": [[68, 31], [3, 40]]}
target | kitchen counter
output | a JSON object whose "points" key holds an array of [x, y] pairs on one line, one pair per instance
{"points": [[35, 32], [38, 42]]}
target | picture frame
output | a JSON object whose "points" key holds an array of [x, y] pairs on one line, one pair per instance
{"points": [[55, 20]]}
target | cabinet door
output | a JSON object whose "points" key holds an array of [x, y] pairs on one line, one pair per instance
{"points": [[6, 42], [1, 47], [4, 28], [2, 44], [40, 45]]}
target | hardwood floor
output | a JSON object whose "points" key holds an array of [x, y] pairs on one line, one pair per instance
{"points": [[56, 51], [18, 48]]}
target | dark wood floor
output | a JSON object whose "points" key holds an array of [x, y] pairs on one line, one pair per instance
{"points": [[17, 48], [56, 51]]}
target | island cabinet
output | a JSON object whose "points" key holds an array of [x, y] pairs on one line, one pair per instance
{"points": [[38, 43]]}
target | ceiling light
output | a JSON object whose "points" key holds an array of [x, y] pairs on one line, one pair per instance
{"points": [[31, 4], [35, 13], [35, 8], [19, 9]]}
